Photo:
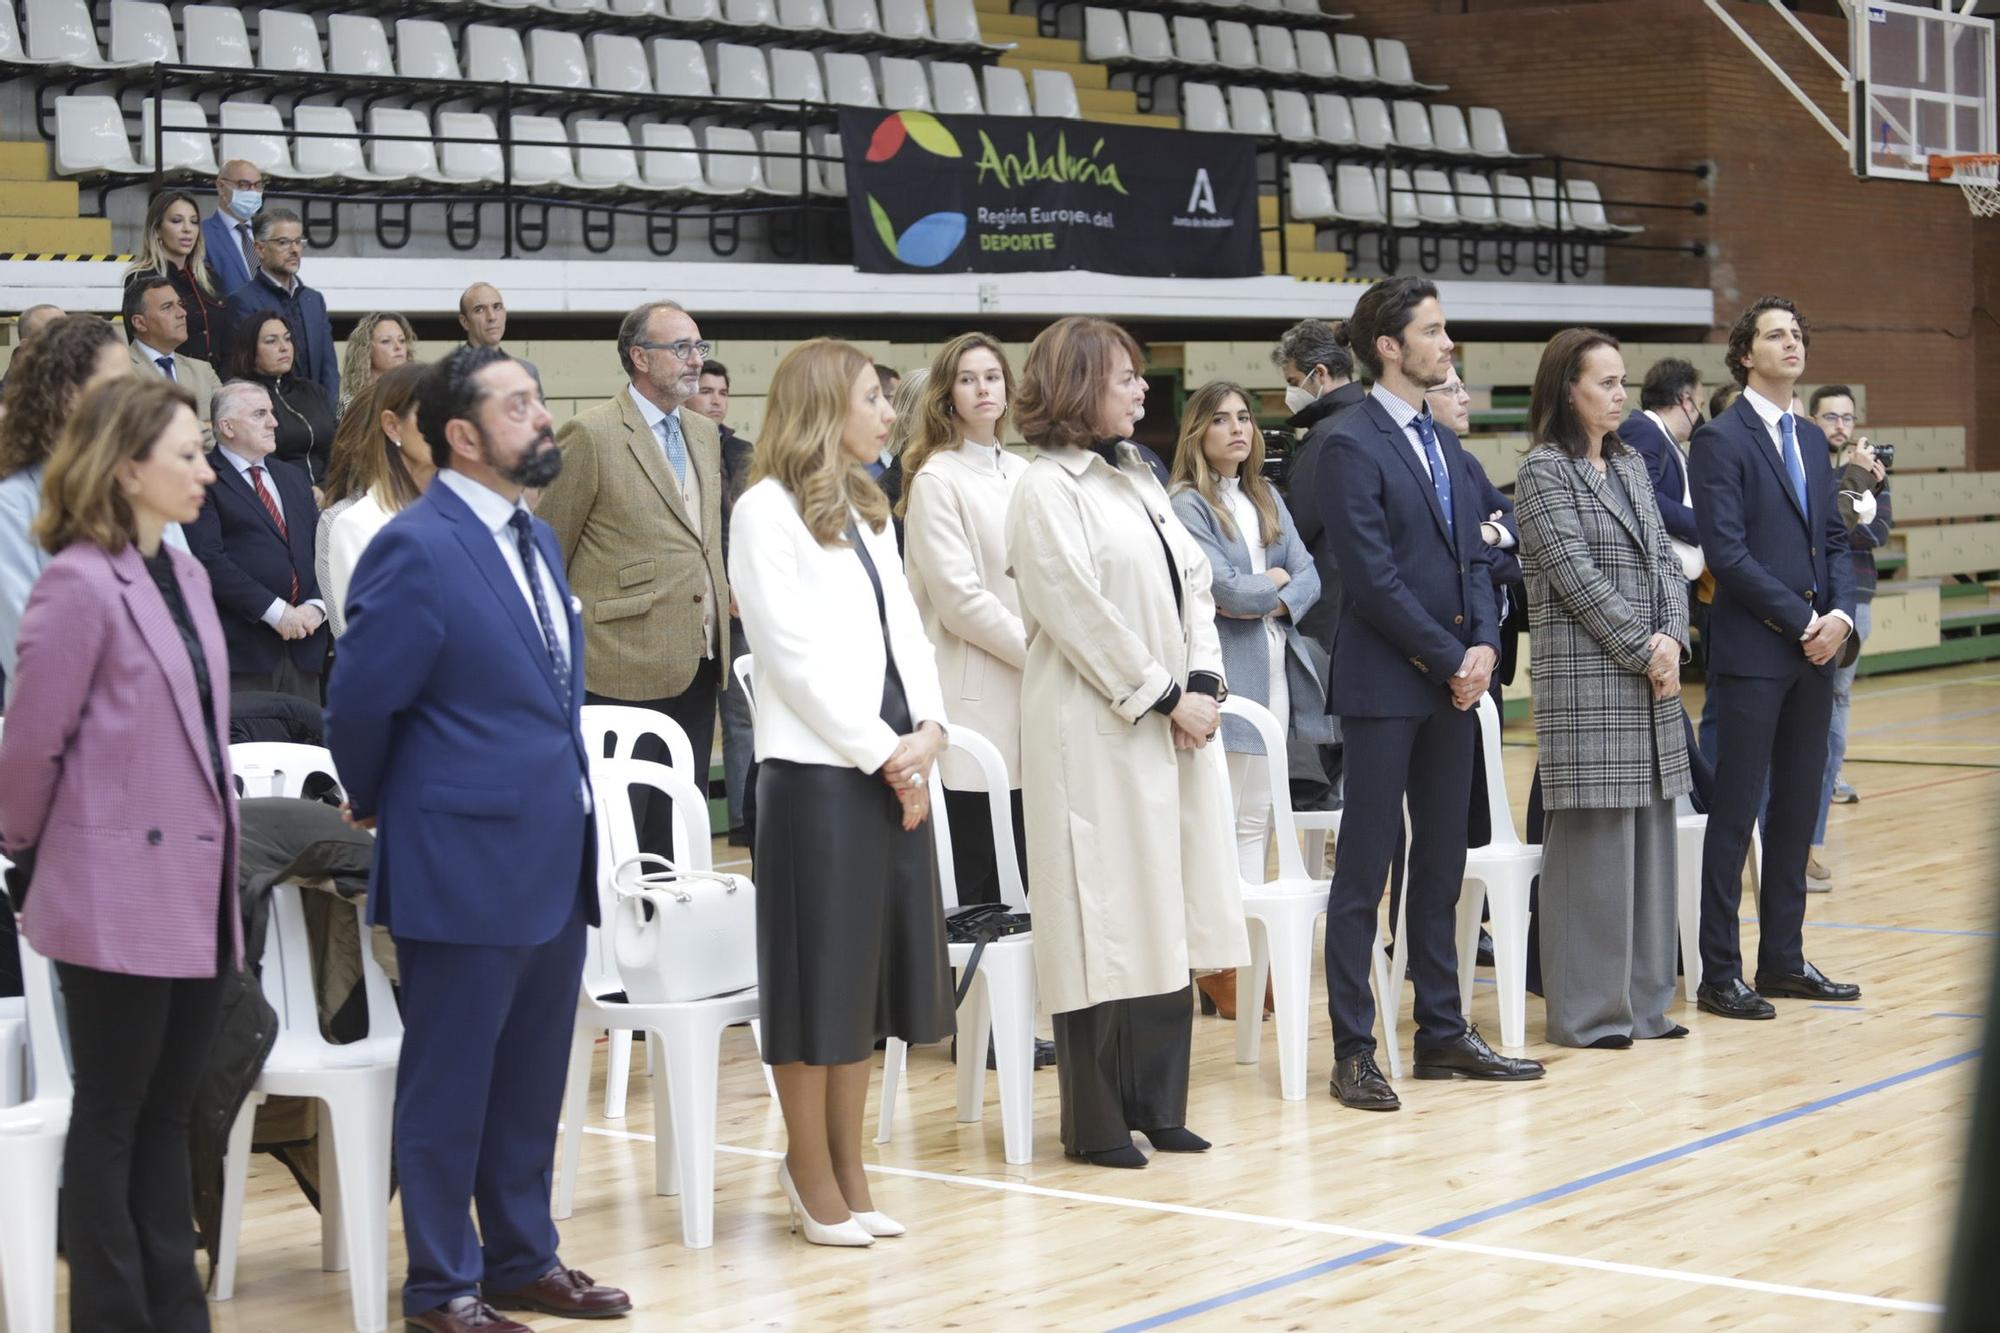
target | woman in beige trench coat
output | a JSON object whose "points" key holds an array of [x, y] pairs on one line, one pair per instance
{"points": [[1129, 846]]}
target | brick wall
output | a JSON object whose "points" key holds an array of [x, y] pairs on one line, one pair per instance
{"points": [[1895, 278]]}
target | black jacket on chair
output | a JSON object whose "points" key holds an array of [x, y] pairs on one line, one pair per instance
{"points": [[249, 563]]}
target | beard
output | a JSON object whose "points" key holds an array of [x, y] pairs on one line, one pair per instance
{"points": [[539, 464]]}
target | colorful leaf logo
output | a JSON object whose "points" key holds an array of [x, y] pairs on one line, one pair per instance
{"points": [[925, 243], [918, 127]]}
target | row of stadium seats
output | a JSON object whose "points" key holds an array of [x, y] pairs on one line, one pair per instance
{"points": [[1428, 198], [1266, 55], [1440, 131], [143, 33]]}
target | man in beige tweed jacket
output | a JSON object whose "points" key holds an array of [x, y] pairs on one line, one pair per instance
{"points": [[638, 512]]}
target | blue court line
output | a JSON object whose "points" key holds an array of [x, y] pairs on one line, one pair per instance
{"points": [[1554, 1192], [1839, 1008], [1891, 930], [1971, 1016]]}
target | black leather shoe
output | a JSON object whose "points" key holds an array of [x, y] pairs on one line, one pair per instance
{"points": [[1810, 984], [1358, 1084], [1732, 999], [1471, 1057]]}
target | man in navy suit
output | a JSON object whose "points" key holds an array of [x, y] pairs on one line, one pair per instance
{"points": [[276, 287], [226, 234], [1669, 411], [1416, 647], [255, 536], [1784, 609], [454, 720]]}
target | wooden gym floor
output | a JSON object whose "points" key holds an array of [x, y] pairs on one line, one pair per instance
{"points": [[1756, 1175]]}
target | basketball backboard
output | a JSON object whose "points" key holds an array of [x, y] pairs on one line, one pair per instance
{"points": [[1922, 84]]}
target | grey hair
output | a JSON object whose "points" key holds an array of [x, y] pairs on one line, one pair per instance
{"points": [[633, 327], [1309, 343], [271, 217], [222, 407]]}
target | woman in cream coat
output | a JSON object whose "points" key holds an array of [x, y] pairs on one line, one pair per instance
{"points": [[1129, 843], [954, 508]]}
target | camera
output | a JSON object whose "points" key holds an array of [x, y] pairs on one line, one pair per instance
{"points": [[1278, 448], [1885, 454]]}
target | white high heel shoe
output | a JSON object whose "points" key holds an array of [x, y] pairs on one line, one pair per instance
{"points": [[849, 1232], [879, 1224]]}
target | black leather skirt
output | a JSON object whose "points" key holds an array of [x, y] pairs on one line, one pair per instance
{"points": [[850, 931]]}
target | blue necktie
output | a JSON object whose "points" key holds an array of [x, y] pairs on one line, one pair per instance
{"points": [[166, 365], [1788, 431], [1440, 474], [524, 530], [676, 447]]}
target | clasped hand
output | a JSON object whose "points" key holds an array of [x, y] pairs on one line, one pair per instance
{"points": [[906, 766], [1195, 718], [299, 622], [1823, 637], [1663, 667], [1473, 677]]}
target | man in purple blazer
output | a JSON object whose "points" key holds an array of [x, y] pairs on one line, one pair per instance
{"points": [[454, 717]]}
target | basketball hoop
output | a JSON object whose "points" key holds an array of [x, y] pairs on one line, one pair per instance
{"points": [[1977, 174]]}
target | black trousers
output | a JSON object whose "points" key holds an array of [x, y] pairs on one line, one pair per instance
{"points": [[1428, 758], [285, 678], [694, 710], [972, 859], [1770, 736], [1123, 1066], [139, 1045]]}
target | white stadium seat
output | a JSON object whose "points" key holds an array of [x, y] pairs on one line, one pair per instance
{"points": [[541, 152], [1104, 36], [1333, 118], [618, 64], [1275, 51], [477, 157], [1545, 201], [1055, 95], [357, 45], [1371, 122], [1292, 110], [955, 21], [1355, 56], [906, 19], [604, 157], [1303, 7], [61, 32], [1402, 199], [696, 11], [1235, 47], [1436, 204], [730, 160], [671, 162], [1392, 65], [656, 8], [955, 89], [680, 69], [185, 144], [1148, 35], [1584, 209], [741, 71], [1515, 201], [1316, 54], [1357, 197], [1475, 199], [904, 87], [492, 54], [90, 137], [255, 132], [556, 59], [11, 50], [214, 35], [411, 154], [332, 158], [850, 79], [825, 143], [1204, 109], [784, 169], [856, 16], [289, 41], [795, 74], [804, 16], [1194, 44], [142, 34], [1311, 193], [1412, 123], [750, 13], [1448, 131], [424, 50], [1250, 112], [1489, 133], [1006, 91]]}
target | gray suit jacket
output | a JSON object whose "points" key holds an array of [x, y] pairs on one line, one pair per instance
{"points": [[1599, 588], [1246, 657]]}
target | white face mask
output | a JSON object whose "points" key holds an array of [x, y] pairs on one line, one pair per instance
{"points": [[1298, 397]]}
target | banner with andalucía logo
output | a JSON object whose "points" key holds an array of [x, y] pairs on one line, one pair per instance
{"points": [[1007, 194]]}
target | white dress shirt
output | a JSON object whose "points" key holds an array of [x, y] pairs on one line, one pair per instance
{"points": [[155, 355], [1405, 416], [276, 610], [1769, 412], [493, 509], [690, 500]]}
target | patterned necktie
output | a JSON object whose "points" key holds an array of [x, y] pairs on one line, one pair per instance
{"points": [[1440, 474], [676, 447], [249, 247], [1788, 431], [277, 517], [524, 536], [166, 365]]}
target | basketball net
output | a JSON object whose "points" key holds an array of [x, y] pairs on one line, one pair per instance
{"points": [[1976, 174]]}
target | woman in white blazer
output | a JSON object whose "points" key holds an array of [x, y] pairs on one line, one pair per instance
{"points": [[850, 720], [958, 480]]}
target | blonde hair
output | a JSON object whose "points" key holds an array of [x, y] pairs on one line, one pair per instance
{"points": [[805, 416], [907, 404], [935, 426], [1192, 470], [120, 420], [152, 256], [357, 367], [1063, 380]]}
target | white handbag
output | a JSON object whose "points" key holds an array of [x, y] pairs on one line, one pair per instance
{"points": [[682, 935]]}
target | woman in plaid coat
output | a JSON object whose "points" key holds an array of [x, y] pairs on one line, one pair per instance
{"points": [[1607, 610]]}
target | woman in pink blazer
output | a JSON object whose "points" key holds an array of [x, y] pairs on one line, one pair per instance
{"points": [[114, 770]]}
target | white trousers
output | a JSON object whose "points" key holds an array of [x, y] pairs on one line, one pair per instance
{"points": [[1249, 774]]}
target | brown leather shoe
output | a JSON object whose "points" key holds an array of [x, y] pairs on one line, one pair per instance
{"points": [[569, 1292], [466, 1314], [1218, 993]]}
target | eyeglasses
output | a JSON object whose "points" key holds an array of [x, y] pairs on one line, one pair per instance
{"points": [[1837, 418], [1450, 391], [284, 242], [254, 184], [686, 349]]}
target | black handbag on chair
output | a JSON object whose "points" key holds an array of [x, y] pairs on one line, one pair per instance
{"points": [[979, 925]]}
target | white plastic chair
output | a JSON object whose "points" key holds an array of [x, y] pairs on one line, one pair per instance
{"points": [[1001, 1002], [795, 74], [1436, 205], [680, 69], [734, 164], [556, 59], [1475, 199], [670, 160], [337, 158], [747, 13], [830, 168], [62, 32], [541, 152], [31, 1154], [356, 1082], [1316, 58], [1148, 36], [1371, 122], [289, 41], [955, 89], [691, 11], [856, 16], [741, 71], [958, 21], [142, 34], [1250, 112], [1516, 202], [1412, 124], [618, 63], [904, 87], [1333, 118], [1055, 94], [1392, 65], [185, 144], [1354, 56], [1311, 201], [90, 137], [1584, 210], [850, 79], [424, 50], [685, 1038], [1502, 870], [255, 132], [1544, 194], [1489, 132], [906, 19], [215, 35], [1104, 36], [804, 16], [1292, 111], [604, 155], [411, 156], [357, 44], [1204, 109], [1275, 51], [1448, 130], [1303, 7], [1358, 194], [1235, 46], [1194, 44], [1690, 831], [469, 147], [1006, 91]]}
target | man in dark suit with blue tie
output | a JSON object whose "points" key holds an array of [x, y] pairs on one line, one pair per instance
{"points": [[1416, 647], [454, 722], [1784, 609]]}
